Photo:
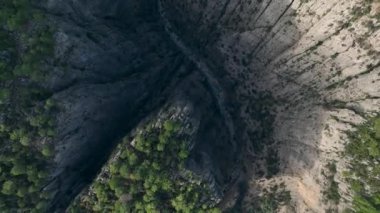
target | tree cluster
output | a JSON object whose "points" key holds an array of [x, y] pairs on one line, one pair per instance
{"points": [[146, 177], [364, 174], [26, 123]]}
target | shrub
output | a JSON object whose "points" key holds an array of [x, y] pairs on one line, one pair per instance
{"points": [[364, 152]]}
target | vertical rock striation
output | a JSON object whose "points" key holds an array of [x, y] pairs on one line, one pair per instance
{"points": [[318, 60]]}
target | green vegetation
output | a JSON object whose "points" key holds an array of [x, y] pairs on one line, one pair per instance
{"points": [[262, 143], [25, 121], [273, 162], [148, 177], [332, 192], [361, 10], [271, 200], [266, 206], [364, 152], [305, 1]]}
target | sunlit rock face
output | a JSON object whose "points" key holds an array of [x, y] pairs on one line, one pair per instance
{"points": [[319, 62]]}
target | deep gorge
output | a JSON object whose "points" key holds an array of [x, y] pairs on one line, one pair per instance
{"points": [[263, 92], [251, 82]]}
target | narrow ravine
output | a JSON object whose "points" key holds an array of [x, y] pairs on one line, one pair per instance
{"points": [[216, 88]]}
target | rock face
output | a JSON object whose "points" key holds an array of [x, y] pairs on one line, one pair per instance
{"points": [[115, 65], [316, 62]]}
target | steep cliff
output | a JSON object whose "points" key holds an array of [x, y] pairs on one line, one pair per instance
{"points": [[318, 61], [115, 65], [269, 89]]}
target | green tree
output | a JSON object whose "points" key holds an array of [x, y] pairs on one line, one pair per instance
{"points": [[22, 191], [48, 150], [9, 188], [25, 141], [4, 92], [145, 179], [19, 168], [132, 159], [115, 182], [124, 171]]}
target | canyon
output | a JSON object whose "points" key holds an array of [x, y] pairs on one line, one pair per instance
{"points": [[273, 85]]}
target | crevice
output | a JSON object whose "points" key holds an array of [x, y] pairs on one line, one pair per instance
{"points": [[261, 43]]}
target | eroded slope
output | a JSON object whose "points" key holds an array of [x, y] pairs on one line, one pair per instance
{"points": [[317, 64]]}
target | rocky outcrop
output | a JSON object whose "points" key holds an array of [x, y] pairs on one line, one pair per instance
{"points": [[317, 59], [114, 65], [105, 80]]}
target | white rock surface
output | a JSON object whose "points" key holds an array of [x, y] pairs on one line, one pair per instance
{"points": [[318, 59]]}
